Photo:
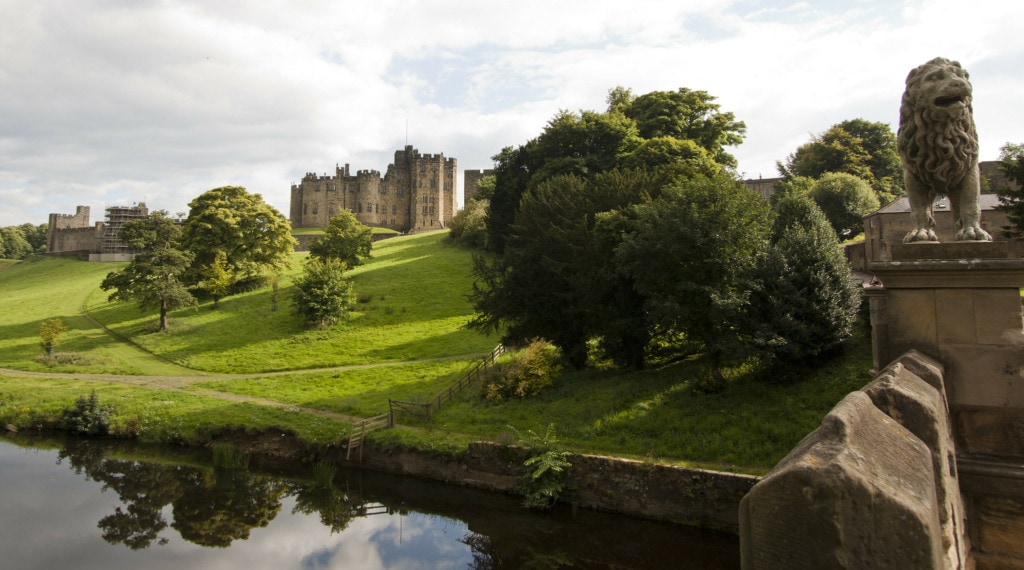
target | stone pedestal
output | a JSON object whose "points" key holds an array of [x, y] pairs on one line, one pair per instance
{"points": [[966, 313], [960, 303]]}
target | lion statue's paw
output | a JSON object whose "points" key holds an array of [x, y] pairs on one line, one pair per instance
{"points": [[973, 233], [920, 234]]}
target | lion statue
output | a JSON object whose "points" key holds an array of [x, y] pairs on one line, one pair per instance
{"points": [[938, 146]]}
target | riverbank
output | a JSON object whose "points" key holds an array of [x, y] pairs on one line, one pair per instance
{"points": [[682, 495]]}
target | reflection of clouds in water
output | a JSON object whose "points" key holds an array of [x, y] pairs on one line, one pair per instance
{"points": [[34, 493]]}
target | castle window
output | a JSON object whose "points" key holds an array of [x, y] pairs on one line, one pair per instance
{"points": [[423, 168], [305, 209], [424, 210], [394, 210], [433, 183], [316, 208], [360, 207]]}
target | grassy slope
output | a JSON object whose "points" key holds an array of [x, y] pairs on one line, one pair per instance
{"points": [[417, 309], [43, 288]]}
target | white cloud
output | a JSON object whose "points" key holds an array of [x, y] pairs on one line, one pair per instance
{"points": [[104, 100]]}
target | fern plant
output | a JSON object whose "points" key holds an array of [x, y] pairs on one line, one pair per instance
{"points": [[546, 467]]}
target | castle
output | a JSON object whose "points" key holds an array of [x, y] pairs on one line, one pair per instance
{"points": [[71, 234], [417, 193]]}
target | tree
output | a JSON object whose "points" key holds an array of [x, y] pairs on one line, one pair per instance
{"points": [[469, 226], [804, 301], [1011, 200], [216, 278], [557, 268], [154, 277], [864, 149], [253, 236], [345, 238], [690, 255], [680, 130], [35, 236], [845, 200], [322, 294], [684, 114], [13, 244], [49, 331]]}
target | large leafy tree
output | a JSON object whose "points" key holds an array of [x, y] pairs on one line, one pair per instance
{"points": [[253, 236], [690, 256], [845, 199], [154, 277], [682, 130], [556, 279], [345, 238], [1011, 199], [684, 114], [862, 148]]}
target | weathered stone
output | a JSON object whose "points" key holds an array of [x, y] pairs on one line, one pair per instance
{"points": [[858, 492], [997, 431], [953, 250], [938, 146], [921, 408]]}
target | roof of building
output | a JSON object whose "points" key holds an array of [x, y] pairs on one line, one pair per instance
{"points": [[901, 205]]}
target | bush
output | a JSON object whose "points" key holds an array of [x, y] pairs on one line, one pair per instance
{"points": [[322, 294], [469, 225], [524, 375], [88, 417]]}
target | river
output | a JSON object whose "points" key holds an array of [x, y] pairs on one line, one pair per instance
{"points": [[85, 504]]}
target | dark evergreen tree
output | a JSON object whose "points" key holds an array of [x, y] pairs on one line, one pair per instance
{"points": [[804, 301]]}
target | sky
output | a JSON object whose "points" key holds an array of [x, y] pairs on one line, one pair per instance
{"points": [[113, 102]]}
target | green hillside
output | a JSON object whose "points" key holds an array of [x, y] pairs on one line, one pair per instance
{"points": [[247, 364]]}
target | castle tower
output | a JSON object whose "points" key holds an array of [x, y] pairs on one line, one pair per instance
{"points": [[416, 193]]}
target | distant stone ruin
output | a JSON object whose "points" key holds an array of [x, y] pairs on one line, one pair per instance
{"points": [[71, 234]]}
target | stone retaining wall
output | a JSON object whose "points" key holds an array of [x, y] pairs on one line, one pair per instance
{"points": [[699, 497]]}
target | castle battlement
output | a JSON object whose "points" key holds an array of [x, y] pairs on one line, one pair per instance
{"points": [[389, 202]]}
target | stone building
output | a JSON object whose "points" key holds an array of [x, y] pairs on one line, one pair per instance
{"points": [[763, 187], [71, 234], [417, 193], [471, 182]]}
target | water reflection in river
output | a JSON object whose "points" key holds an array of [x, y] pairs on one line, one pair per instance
{"points": [[80, 504]]}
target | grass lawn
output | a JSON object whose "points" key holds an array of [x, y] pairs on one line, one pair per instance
{"points": [[412, 306], [405, 340], [656, 415]]}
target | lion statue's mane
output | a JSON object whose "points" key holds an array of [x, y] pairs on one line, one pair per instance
{"points": [[938, 146]]}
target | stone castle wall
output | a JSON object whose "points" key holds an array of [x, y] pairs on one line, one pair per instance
{"points": [[471, 182], [71, 234], [416, 193]]}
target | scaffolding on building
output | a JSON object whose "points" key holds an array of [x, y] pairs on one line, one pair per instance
{"points": [[117, 216]]}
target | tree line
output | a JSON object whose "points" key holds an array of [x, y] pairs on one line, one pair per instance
{"points": [[18, 242]]}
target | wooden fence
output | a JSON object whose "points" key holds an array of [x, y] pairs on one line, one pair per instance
{"points": [[429, 408], [357, 434]]}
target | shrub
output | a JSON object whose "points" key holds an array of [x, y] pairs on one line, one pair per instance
{"points": [[526, 374], [50, 331], [469, 225], [322, 294], [546, 466], [87, 417]]}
